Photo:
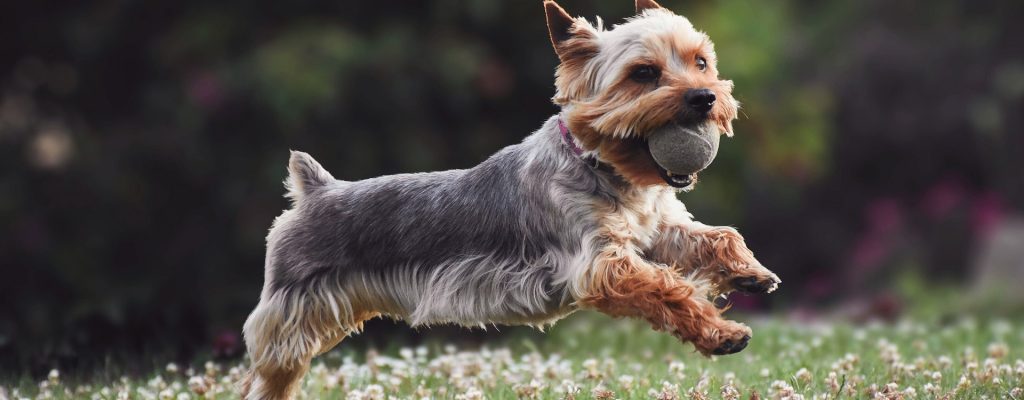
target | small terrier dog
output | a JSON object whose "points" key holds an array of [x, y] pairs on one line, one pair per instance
{"points": [[577, 216]]}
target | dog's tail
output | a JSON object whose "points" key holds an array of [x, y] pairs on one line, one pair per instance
{"points": [[304, 176]]}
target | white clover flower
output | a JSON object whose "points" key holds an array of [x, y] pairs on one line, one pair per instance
{"points": [[782, 390], [374, 392], [211, 368], [692, 394], [183, 396], [145, 393], [963, 384], [171, 368], [599, 392], [472, 393], [702, 383], [569, 387], [531, 390], [53, 377], [157, 383], [331, 381], [729, 392], [198, 385], [998, 350], [677, 368], [803, 375], [832, 380], [765, 373], [166, 394], [670, 391], [626, 382]]}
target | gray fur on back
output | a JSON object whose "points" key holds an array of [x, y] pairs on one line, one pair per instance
{"points": [[495, 243]]}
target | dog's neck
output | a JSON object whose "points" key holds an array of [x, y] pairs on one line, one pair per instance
{"points": [[568, 139], [591, 158]]}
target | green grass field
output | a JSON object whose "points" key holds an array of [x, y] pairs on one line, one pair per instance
{"points": [[590, 356]]}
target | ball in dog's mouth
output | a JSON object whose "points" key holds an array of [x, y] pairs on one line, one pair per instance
{"points": [[680, 152]]}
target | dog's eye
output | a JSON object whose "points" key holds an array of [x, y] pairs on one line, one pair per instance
{"points": [[702, 64], [645, 74]]}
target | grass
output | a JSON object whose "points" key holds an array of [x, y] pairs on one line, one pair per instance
{"points": [[590, 356]]}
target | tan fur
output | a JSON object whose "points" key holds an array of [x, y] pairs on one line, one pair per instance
{"points": [[715, 253], [623, 284], [611, 119], [642, 5]]}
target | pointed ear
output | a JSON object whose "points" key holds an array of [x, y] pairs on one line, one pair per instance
{"points": [[559, 23], [642, 5]]}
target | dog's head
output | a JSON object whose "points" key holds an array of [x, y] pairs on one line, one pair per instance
{"points": [[618, 86]]}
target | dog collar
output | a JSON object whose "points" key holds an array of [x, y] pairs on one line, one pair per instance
{"points": [[589, 159], [568, 139]]}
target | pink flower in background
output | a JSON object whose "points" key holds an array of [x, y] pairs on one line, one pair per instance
{"points": [[940, 200], [818, 287], [226, 344], [746, 302], [987, 211], [884, 216], [883, 219], [206, 90], [869, 252]]}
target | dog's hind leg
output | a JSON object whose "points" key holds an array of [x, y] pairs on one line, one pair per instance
{"points": [[285, 332]]}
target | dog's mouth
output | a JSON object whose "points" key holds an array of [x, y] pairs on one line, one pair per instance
{"points": [[676, 180], [681, 151]]}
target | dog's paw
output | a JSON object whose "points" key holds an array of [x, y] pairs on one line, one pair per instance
{"points": [[726, 337], [754, 280], [732, 347], [732, 265]]}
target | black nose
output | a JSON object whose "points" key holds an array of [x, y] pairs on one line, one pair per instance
{"points": [[700, 100]]}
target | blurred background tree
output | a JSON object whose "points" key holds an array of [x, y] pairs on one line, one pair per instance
{"points": [[143, 144]]}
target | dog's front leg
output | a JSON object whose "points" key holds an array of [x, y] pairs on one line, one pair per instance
{"points": [[715, 253], [623, 284]]}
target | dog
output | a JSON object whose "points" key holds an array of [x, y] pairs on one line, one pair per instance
{"points": [[576, 216]]}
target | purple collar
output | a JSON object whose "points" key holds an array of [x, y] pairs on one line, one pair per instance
{"points": [[570, 142], [568, 139]]}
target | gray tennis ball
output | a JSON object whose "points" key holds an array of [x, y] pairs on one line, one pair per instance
{"points": [[682, 150]]}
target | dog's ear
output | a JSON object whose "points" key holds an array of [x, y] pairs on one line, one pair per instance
{"points": [[642, 5], [571, 37], [559, 23]]}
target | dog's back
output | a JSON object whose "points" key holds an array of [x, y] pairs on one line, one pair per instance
{"points": [[435, 233], [417, 246]]}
